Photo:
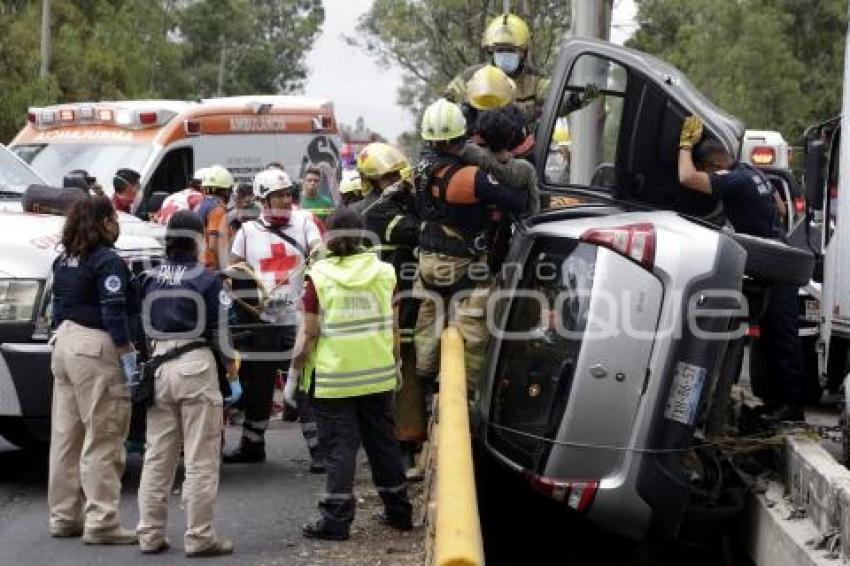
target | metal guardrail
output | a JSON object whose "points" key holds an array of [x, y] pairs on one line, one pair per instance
{"points": [[458, 529]]}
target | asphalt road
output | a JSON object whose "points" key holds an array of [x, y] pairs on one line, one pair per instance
{"points": [[261, 507]]}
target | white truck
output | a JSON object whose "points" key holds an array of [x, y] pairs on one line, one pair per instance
{"points": [[27, 250]]}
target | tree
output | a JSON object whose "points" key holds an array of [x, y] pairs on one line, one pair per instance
{"points": [[130, 49], [433, 40], [264, 43], [776, 64]]}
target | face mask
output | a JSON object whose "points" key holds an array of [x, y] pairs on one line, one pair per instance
{"points": [[276, 217], [508, 61]]}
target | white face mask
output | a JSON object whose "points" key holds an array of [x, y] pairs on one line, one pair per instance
{"points": [[508, 61]]}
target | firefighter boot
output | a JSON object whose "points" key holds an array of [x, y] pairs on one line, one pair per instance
{"points": [[246, 453]]}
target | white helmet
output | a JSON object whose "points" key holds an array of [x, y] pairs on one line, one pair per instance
{"points": [[217, 178], [200, 175], [270, 181]]}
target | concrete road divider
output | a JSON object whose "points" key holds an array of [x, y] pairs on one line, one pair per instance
{"points": [[458, 529]]}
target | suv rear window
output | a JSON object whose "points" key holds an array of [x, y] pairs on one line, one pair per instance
{"points": [[542, 340]]}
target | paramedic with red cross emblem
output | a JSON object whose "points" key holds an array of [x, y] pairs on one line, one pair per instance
{"points": [[276, 246]]}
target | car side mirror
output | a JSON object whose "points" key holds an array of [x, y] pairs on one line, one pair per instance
{"points": [[815, 174]]}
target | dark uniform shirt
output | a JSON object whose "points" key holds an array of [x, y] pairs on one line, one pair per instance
{"points": [[171, 295], [93, 292], [748, 200]]}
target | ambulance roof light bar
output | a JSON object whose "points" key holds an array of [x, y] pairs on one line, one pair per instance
{"points": [[98, 115]]}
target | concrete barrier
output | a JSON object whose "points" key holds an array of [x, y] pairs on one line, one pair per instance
{"points": [[806, 521], [458, 528]]}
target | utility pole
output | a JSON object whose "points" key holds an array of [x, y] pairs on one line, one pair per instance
{"points": [[221, 66], [45, 39], [590, 18]]}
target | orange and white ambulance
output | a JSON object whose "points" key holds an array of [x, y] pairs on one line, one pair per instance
{"points": [[167, 140]]}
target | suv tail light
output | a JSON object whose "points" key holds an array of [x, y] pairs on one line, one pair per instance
{"points": [[576, 495], [635, 241], [800, 205], [763, 155]]}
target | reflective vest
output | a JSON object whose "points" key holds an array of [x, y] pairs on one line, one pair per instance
{"points": [[354, 352]]}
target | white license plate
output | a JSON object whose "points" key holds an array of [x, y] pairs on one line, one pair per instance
{"points": [[683, 401]]}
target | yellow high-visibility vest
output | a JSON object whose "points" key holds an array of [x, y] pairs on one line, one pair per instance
{"points": [[354, 352]]}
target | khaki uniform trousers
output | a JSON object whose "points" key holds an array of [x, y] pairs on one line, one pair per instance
{"points": [[90, 419], [468, 308], [187, 415]]}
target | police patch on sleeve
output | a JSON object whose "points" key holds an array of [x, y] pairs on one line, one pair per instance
{"points": [[112, 284], [224, 299]]}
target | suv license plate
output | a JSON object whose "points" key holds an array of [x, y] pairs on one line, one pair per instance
{"points": [[683, 401]]}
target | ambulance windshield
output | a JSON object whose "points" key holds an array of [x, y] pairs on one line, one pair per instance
{"points": [[14, 175], [53, 160]]}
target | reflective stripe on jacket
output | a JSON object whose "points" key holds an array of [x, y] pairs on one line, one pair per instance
{"points": [[354, 352]]}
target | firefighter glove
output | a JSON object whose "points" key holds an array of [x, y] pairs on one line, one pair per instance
{"points": [[691, 132]]}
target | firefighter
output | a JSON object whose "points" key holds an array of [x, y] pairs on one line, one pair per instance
{"points": [[92, 357], [349, 331], [350, 188], [507, 40], [394, 229], [276, 247], [752, 207], [217, 185], [452, 200], [187, 411]]}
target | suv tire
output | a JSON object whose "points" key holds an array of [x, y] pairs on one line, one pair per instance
{"points": [[772, 261]]}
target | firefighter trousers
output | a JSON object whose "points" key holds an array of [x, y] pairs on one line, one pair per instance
{"points": [[343, 424], [188, 416], [467, 307], [90, 419]]}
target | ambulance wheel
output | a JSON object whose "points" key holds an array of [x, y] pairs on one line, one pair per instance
{"points": [[774, 262]]}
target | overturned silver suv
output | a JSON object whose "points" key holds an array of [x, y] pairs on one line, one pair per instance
{"points": [[617, 330]]}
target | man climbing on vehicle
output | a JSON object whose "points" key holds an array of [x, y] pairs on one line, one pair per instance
{"points": [[750, 204], [452, 200]]}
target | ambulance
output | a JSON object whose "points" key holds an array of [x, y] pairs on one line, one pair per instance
{"points": [[167, 140]]}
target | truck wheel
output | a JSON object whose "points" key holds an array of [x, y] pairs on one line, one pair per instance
{"points": [[774, 262], [19, 434]]}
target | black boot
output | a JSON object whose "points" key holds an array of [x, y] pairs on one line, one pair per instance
{"points": [[324, 530], [246, 453], [785, 413]]}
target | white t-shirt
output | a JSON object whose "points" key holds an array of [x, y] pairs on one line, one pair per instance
{"points": [[187, 199], [279, 265]]}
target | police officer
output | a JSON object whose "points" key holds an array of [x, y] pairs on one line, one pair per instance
{"points": [[506, 40], [452, 200], [276, 247], [390, 219], [187, 413], [752, 207], [348, 342], [90, 416]]}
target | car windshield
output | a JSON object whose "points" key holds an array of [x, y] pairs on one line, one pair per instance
{"points": [[53, 160], [14, 175]]}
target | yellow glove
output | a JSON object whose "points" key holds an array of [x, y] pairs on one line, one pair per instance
{"points": [[691, 132]]}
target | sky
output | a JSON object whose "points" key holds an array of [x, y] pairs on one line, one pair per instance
{"points": [[360, 87]]}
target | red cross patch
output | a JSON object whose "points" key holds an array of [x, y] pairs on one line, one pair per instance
{"points": [[280, 263]]}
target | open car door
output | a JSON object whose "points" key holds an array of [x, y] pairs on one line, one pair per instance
{"points": [[624, 110]]}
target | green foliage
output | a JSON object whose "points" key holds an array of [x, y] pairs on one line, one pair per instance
{"points": [[131, 49], [433, 40], [776, 64]]}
